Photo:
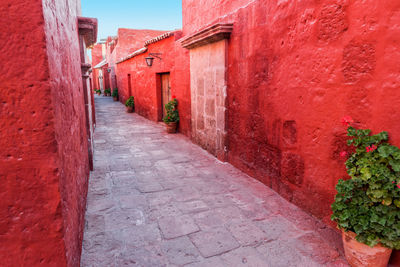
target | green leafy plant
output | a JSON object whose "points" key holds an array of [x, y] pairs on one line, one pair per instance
{"points": [[130, 102], [107, 91], [115, 92], [98, 91], [172, 114], [369, 203]]}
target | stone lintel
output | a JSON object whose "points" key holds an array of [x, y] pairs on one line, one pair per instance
{"points": [[88, 29], [211, 34]]}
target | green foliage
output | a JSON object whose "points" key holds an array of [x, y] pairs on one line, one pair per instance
{"points": [[172, 113], [369, 203], [115, 92], [107, 91], [98, 91], [130, 102]]}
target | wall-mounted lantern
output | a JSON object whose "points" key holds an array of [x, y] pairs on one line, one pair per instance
{"points": [[150, 58]]}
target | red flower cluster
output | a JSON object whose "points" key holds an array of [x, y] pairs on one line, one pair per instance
{"points": [[343, 154], [173, 97], [398, 185], [371, 148], [346, 120]]}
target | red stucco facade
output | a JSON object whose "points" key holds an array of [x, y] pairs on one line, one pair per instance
{"points": [[44, 162], [146, 84], [115, 48], [294, 69]]}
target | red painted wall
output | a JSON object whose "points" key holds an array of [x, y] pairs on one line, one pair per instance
{"points": [[145, 80], [294, 69], [43, 160], [117, 47], [130, 40], [97, 57]]}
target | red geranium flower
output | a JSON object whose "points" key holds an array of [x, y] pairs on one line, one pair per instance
{"points": [[343, 154], [371, 148], [173, 97], [398, 185], [346, 120]]}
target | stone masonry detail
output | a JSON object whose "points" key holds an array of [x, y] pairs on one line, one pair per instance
{"points": [[158, 200]]}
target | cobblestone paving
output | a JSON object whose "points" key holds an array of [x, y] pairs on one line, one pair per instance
{"points": [[156, 199]]}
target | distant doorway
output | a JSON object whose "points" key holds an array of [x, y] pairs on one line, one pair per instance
{"points": [[101, 80], [165, 91]]}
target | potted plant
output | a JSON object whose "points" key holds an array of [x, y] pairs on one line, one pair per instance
{"points": [[130, 104], [171, 118], [107, 92], [367, 206], [98, 91], [115, 94]]}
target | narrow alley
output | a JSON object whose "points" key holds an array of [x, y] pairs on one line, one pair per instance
{"points": [[156, 199]]}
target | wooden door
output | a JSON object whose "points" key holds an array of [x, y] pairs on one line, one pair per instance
{"points": [[165, 91]]}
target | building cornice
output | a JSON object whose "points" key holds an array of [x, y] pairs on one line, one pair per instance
{"points": [[211, 34], [88, 29]]}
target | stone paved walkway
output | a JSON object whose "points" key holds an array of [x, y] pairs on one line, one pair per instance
{"points": [[158, 200]]}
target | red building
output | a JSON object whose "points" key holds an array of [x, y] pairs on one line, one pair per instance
{"points": [[290, 70], [45, 153], [153, 86], [106, 53]]}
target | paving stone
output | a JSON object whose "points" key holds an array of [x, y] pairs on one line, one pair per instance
{"points": [[157, 212], [149, 187], [247, 234], [214, 241], [186, 193], [95, 223], [230, 214], [100, 205], [131, 201], [141, 256], [180, 251], [278, 227], [255, 212], [176, 226], [283, 253], [159, 198], [102, 243], [193, 206], [120, 219], [312, 245], [140, 235], [244, 256], [217, 201], [208, 219], [209, 262]]}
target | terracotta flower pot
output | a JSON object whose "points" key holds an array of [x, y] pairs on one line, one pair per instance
{"points": [[171, 127], [129, 109], [358, 254], [115, 98]]}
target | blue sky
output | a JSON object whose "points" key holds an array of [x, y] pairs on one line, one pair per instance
{"points": [[134, 14]]}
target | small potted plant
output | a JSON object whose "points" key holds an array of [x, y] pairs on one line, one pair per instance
{"points": [[98, 91], [130, 104], [115, 94], [367, 206], [107, 92], [171, 118]]}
